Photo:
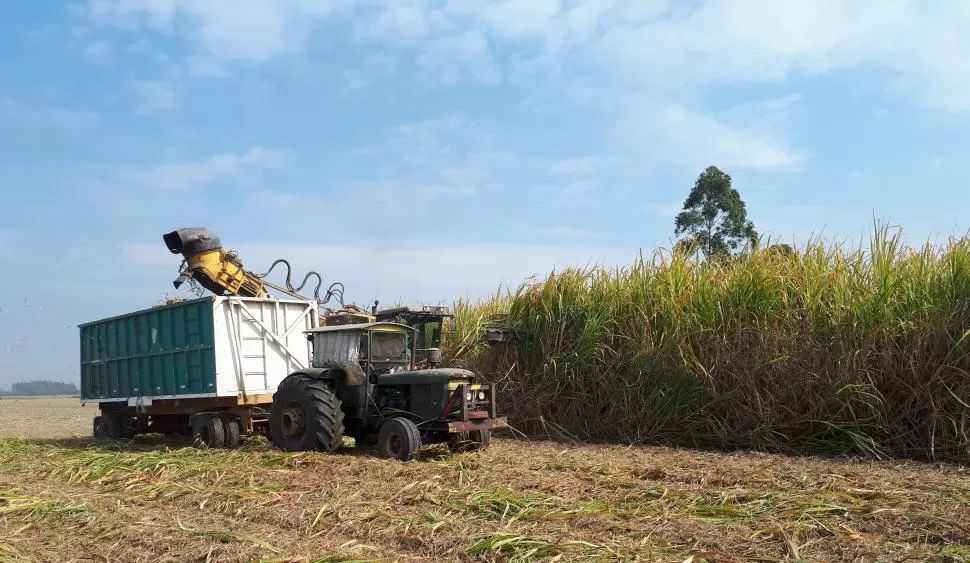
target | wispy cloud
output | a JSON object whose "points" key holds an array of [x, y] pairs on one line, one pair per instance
{"points": [[674, 134], [189, 175], [34, 116], [652, 44], [156, 96]]}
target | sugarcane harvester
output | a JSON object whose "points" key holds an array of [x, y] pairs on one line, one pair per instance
{"points": [[368, 378]]}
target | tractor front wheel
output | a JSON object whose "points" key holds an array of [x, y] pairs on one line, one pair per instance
{"points": [[306, 416], [475, 440], [399, 438]]}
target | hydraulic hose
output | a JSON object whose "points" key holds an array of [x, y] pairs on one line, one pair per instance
{"points": [[333, 291]]}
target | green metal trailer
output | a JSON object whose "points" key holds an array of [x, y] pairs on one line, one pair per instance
{"points": [[205, 367]]}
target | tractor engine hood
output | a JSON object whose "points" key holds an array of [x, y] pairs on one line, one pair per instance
{"points": [[435, 375]]}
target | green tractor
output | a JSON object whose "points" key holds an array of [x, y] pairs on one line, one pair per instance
{"points": [[365, 383]]}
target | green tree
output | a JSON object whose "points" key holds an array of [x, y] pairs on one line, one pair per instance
{"points": [[714, 216]]}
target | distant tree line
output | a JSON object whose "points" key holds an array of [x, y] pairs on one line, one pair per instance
{"points": [[40, 387]]}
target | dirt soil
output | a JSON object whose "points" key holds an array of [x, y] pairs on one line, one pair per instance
{"points": [[155, 499], [45, 417]]}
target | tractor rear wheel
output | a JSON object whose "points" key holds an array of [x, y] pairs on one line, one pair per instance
{"points": [[306, 416], [399, 438]]}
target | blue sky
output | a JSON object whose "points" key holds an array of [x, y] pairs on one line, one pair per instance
{"points": [[424, 150]]}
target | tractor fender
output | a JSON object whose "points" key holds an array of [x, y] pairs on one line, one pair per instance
{"points": [[334, 374]]}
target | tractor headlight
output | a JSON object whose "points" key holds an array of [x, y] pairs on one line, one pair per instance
{"points": [[481, 395], [468, 396]]}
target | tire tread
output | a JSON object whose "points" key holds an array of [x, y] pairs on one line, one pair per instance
{"points": [[325, 419]]}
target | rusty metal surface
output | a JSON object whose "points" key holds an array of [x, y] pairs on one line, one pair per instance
{"points": [[489, 424]]}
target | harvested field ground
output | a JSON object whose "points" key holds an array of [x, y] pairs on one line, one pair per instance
{"points": [[158, 500], [45, 417]]}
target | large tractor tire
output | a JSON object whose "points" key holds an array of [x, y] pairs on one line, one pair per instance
{"points": [[399, 438], [306, 416]]}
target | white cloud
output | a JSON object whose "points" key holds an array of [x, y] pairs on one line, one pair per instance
{"points": [[156, 95], [673, 134], [224, 30], [187, 175], [449, 57], [656, 43], [757, 41], [451, 151]]}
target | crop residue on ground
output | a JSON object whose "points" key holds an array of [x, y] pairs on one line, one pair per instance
{"points": [[154, 499]]}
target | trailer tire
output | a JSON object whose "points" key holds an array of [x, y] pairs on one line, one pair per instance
{"points": [[231, 432], [306, 416], [126, 427], [101, 429], [399, 438], [112, 427], [208, 431]]}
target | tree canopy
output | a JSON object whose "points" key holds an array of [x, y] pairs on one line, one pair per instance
{"points": [[714, 216]]}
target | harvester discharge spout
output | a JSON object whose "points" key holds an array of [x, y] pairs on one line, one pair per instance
{"points": [[220, 271], [207, 262]]}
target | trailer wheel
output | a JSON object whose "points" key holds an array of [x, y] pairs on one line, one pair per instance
{"points": [[207, 430], [101, 430], [306, 416], [126, 427], [231, 431], [112, 427], [399, 438]]}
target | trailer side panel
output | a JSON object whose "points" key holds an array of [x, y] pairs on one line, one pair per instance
{"points": [[168, 350]]}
